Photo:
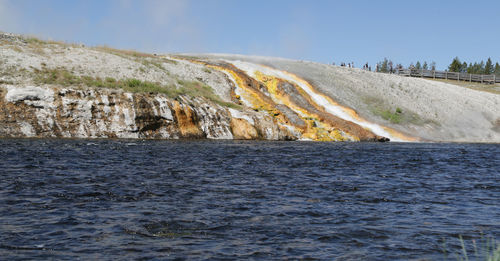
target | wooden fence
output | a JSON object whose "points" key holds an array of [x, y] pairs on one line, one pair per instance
{"points": [[459, 76]]}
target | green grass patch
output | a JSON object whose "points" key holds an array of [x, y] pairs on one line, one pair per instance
{"points": [[153, 63], [485, 248], [395, 115], [63, 77], [198, 89], [34, 40], [169, 61], [486, 87], [390, 116], [129, 53], [146, 59], [188, 57]]}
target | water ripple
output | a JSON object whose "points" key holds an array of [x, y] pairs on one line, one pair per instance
{"points": [[109, 199]]}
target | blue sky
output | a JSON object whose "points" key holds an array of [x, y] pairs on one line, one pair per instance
{"points": [[316, 30]]}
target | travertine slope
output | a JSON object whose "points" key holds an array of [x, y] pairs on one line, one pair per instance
{"points": [[428, 110], [52, 89]]}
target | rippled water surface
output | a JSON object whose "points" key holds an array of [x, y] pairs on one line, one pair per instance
{"points": [[123, 199]]}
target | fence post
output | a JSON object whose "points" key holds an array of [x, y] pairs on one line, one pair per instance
{"points": [[481, 78], [458, 77], [446, 75], [434, 74]]}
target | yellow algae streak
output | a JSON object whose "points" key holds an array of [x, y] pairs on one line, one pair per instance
{"points": [[249, 86], [250, 93], [315, 129], [394, 134], [247, 93]]}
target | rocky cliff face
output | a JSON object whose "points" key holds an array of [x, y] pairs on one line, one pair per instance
{"points": [[42, 111]]}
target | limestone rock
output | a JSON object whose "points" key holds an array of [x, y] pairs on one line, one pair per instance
{"points": [[44, 111]]}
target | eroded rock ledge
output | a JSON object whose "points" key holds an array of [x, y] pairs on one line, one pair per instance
{"points": [[103, 113]]}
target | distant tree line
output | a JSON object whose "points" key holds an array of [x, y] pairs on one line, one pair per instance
{"points": [[476, 68], [425, 66], [387, 66]]}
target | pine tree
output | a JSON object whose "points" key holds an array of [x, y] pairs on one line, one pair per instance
{"points": [[480, 68], [418, 66], [469, 68], [497, 69], [488, 68], [433, 66], [425, 66], [455, 65], [384, 67], [476, 68], [463, 68]]}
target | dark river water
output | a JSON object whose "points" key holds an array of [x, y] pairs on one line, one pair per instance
{"points": [[211, 200]]}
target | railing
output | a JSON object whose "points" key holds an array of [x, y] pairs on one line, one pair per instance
{"points": [[459, 76]]}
